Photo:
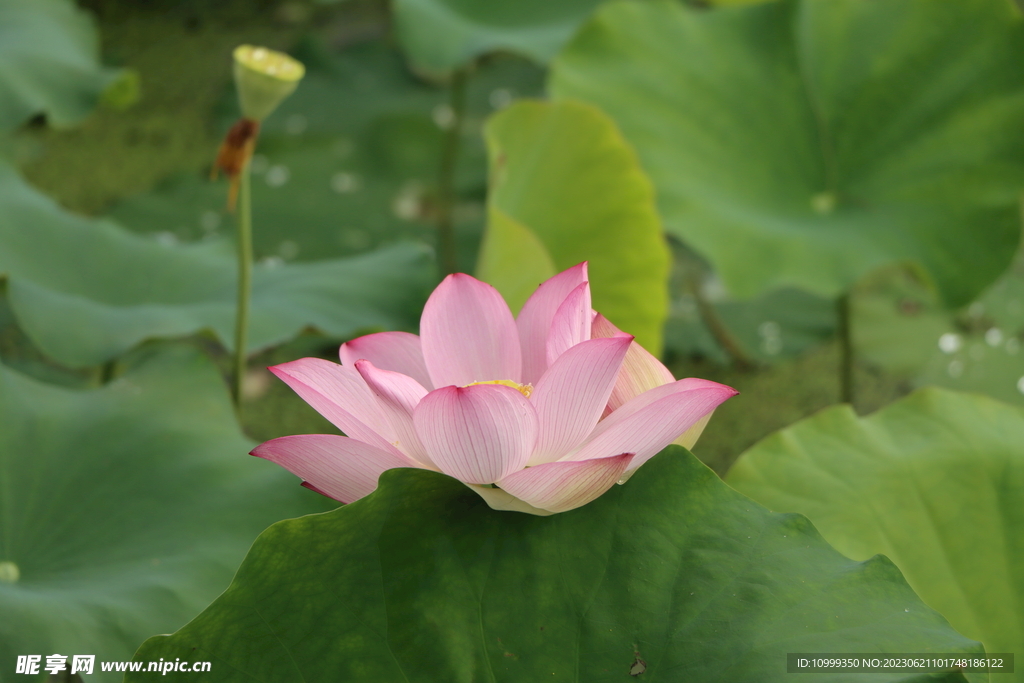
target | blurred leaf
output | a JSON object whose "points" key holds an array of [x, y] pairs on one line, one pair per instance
{"points": [[49, 63], [899, 325], [935, 482], [312, 198], [443, 35], [564, 172], [513, 259], [896, 320], [348, 163], [804, 143], [780, 324], [85, 291], [421, 581], [345, 90], [126, 509]]}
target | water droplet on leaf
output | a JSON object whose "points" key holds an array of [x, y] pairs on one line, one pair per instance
{"points": [[950, 343], [277, 175], [407, 203], [769, 328], [344, 183], [444, 116], [271, 262]]}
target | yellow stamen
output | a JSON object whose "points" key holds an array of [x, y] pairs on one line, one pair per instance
{"points": [[524, 389]]}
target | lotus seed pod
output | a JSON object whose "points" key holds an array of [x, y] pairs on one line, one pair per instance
{"points": [[264, 79]]}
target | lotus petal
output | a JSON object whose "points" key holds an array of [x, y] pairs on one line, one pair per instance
{"points": [[640, 372], [340, 394], [571, 396], [653, 420], [477, 434], [561, 486], [468, 334], [571, 323], [336, 466], [394, 351], [534, 321], [397, 395]]}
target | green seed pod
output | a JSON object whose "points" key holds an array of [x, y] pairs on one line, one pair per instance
{"points": [[264, 78]]}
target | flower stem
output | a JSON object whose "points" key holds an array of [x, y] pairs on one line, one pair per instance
{"points": [[447, 253], [721, 333], [845, 349], [107, 371], [244, 281]]}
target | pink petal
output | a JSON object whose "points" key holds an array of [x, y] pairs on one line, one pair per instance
{"points": [[572, 394], [394, 351], [535, 318], [571, 323], [339, 394], [476, 434], [690, 436], [640, 372], [561, 486], [468, 334], [339, 467], [652, 420], [397, 395]]}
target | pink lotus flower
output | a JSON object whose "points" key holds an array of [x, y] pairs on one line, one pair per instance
{"points": [[538, 414]]}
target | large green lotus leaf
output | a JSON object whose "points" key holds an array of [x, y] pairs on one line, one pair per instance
{"points": [[672, 574], [512, 258], [899, 325], [441, 36], [49, 63], [85, 291], [935, 482], [563, 172], [126, 509], [806, 142]]}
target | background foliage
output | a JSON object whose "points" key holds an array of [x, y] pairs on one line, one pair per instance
{"points": [[934, 482], [768, 194]]}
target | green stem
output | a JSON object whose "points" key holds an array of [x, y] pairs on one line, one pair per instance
{"points": [[845, 350], [244, 281], [716, 326], [107, 371], [447, 253]]}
